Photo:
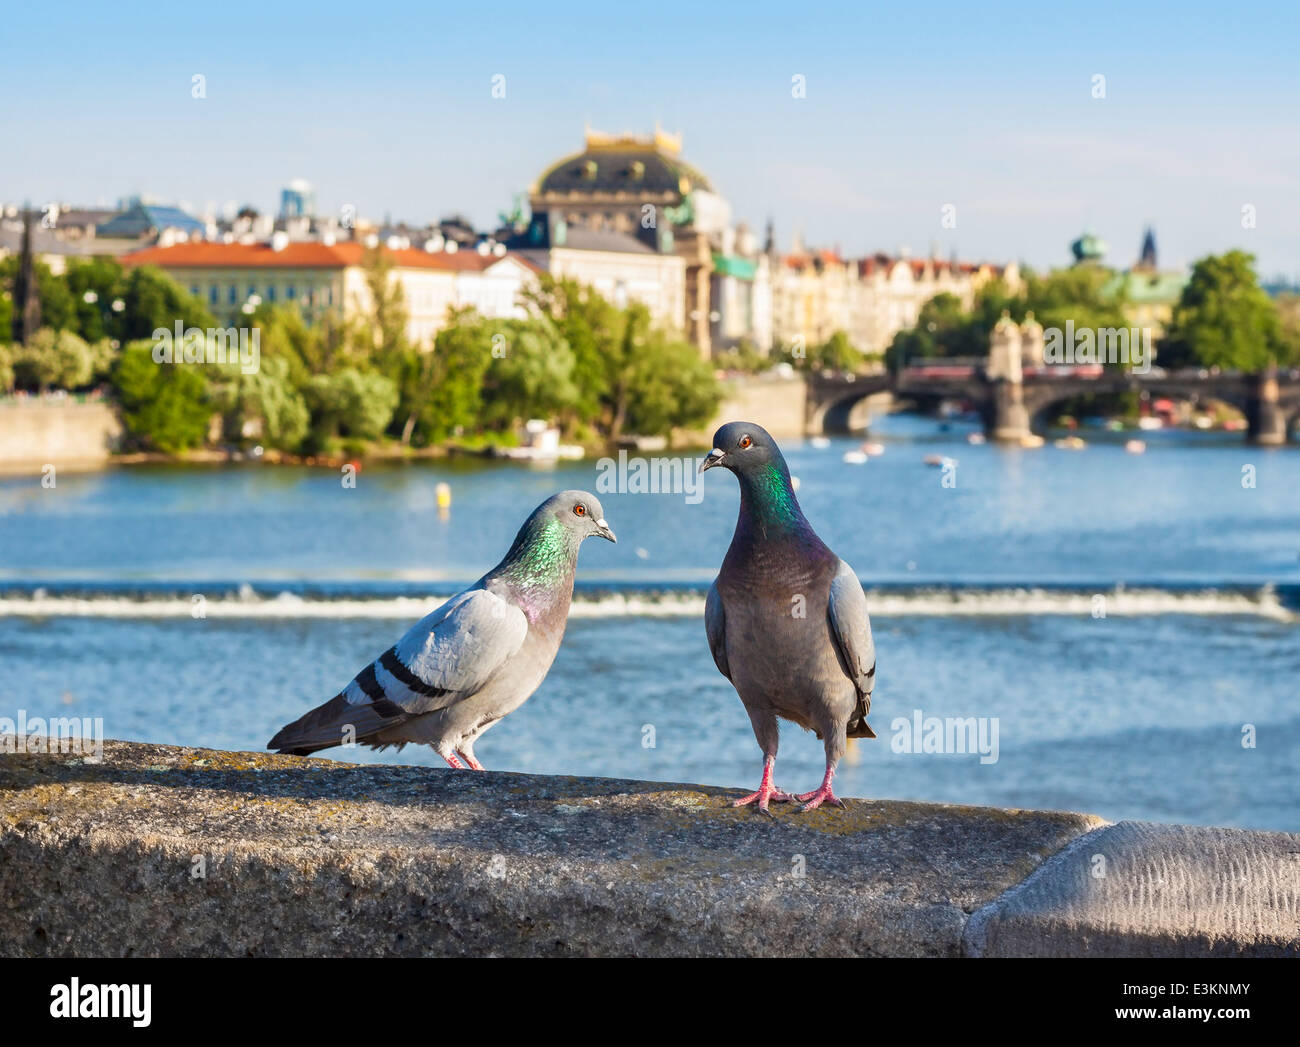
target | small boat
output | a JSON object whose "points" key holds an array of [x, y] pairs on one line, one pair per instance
{"points": [[1150, 423], [975, 439], [1070, 443], [875, 450], [820, 442], [541, 444], [1135, 446], [1032, 441], [855, 458], [938, 461]]}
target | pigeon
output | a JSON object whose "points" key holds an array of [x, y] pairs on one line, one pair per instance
{"points": [[786, 618], [476, 658]]}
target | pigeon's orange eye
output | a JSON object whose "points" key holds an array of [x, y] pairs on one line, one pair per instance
{"points": [[579, 510], [745, 441]]}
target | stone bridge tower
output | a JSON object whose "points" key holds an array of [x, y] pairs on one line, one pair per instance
{"points": [[1005, 373]]}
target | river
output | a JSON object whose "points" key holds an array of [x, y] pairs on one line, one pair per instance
{"points": [[1128, 625]]}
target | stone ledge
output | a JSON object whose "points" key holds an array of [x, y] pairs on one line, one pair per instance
{"points": [[315, 857], [1143, 889]]}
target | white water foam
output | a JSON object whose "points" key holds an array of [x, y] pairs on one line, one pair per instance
{"points": [[925, 602]]}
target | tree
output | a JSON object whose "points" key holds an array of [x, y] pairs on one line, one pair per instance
{"points": [[743, 357], [263, 407], [165, 406], [6, 309], [152, 300], [671, 388], [530, 374], [284, 335], [943, 328], [52, 303], [442, 390], [595, 331], [1079, 294], [383, 334], [94, 284], [1288, 312], [1225, 319], [352, 404], [53, 359]]}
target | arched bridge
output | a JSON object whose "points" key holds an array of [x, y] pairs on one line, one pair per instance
{"points": [[1270, 401]]}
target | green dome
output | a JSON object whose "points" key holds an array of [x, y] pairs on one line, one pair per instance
{"points": [[1088, 248]]}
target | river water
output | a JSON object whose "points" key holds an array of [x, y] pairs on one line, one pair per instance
{"points": [[1127, 627]]}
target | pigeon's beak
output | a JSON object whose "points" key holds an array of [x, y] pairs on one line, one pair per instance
{"points": [[602, 529], [711, 459]]}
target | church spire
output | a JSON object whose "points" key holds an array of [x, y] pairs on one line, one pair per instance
{"points": [[1147, 260]]}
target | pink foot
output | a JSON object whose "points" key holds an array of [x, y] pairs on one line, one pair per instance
{"points": [[767, 792], [764, 796], [811, 801], [474, 765], [454, 763]]}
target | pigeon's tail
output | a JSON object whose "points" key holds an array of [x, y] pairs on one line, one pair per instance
{"points": [[858, 726], [336, 722]]}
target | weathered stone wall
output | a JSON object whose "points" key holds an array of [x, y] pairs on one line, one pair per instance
{"points": [[169, 851], [777, 404], [37, 432]]}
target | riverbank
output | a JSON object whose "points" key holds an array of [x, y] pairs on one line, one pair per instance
{"points": [[160, 850]]}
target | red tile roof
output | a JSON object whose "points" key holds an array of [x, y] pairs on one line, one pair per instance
{"points": [[304, 254]]}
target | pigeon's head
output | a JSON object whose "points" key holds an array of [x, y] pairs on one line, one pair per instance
{"points": [[744, 448], [579, 513]]}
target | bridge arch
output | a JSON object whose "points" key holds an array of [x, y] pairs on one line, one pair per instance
{"points": [[837, 404]]}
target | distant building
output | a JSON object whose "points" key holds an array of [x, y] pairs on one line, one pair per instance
{"points": [[320, 278], [740, 293], [622, 268], [1150, 293], [817, 293], [1088, 249], [298, 200], [640, 188], [150, 222], [60, 233]]}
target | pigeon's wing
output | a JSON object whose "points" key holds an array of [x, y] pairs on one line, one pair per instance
{"points": [[715, 624], [452, 653], [851, 626], [444, 658]]}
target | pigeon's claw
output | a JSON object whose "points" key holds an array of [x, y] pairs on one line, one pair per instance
{"points": [[767, 793], [811, 801], [474, 765]]}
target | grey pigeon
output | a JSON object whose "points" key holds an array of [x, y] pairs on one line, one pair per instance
{"points": [[476, 658], [787, 618]]}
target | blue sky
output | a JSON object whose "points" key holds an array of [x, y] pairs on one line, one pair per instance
{"points": [[909, 107]]}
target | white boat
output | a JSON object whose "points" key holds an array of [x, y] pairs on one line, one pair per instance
{"points": [[1135, 446], [855, 458], [542, 444], [820, 442]]}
